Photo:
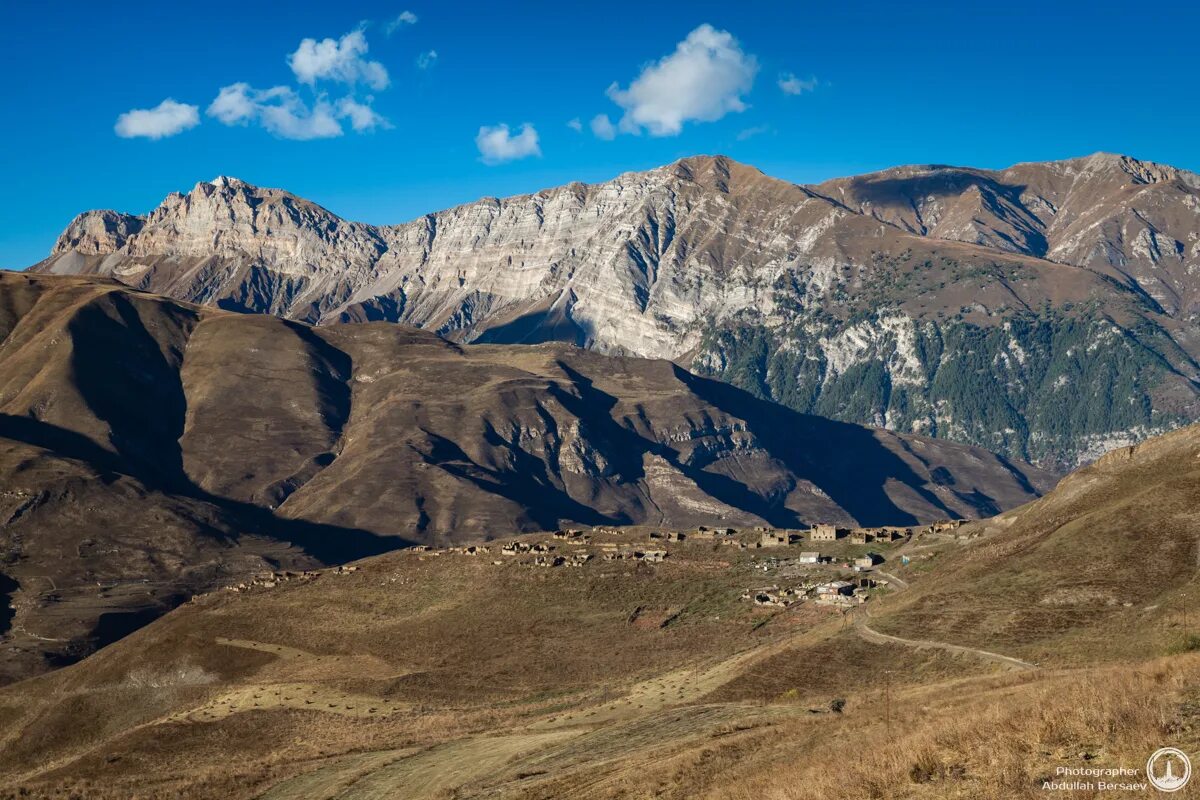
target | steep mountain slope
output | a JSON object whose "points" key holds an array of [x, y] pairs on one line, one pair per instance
{"points": [[150, 449], [1043, 311]]}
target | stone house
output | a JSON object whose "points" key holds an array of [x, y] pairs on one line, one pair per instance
{"points": [[826, 533], [892, 534], [773, 539], [866, 562]]}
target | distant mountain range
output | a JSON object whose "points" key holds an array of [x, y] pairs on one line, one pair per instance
{"points": [[151, 449], [1045, 311]]}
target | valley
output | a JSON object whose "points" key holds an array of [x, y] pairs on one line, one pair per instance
{"points": [[151, 450], [508, 669], [623, 401]]}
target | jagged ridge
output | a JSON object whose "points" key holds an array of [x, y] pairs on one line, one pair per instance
{"points": [[846, 288]]}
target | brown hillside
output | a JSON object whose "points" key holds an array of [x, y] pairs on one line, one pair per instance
{"points": [[150, 449], [430, 674], [1107, 563]]}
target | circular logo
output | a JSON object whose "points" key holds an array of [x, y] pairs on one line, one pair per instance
{"points": [[1169, 769]]}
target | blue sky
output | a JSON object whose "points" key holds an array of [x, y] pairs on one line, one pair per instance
{"points": [[872, 85]]}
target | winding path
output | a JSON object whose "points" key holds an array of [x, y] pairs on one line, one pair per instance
{"points": [[871, 635]]}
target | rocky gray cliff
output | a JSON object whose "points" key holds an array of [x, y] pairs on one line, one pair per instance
{"points": [[1044, 311]]}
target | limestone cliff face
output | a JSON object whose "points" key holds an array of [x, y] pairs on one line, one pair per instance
{"points": [[98, 233], [630, 265], [949, 301], [228, 218]]}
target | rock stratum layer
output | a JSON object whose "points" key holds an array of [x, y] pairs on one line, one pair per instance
{"points": [[1044, 311], [150, 449]]}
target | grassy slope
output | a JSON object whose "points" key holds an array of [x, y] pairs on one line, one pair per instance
{"points": [[1105, 564], [228, 694], [446, 675]]}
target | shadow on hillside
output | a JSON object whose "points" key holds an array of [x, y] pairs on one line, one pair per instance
{"points": [[140, 396], [527, 484], [122, 372], [536, 327], [8, 587], [330, 544], [845, 461], [594, 407], [332, 381], [946, 182]]}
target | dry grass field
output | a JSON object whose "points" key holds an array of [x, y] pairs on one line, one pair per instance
{"points": [[445, 675], [1105, 565], [995, 657], [418, 662], [991, 736]]}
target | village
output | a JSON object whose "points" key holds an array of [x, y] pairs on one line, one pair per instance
{"points": [[827, 565]]}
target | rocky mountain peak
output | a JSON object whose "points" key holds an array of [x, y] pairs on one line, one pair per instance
{"points": [[223, 181], [97, 233], [231, 218], [1141, 172], [719, 173]]}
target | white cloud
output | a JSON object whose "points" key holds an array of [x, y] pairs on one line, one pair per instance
{"points": [[790, 84], [362, 117], [233, 105], [404, 18], [337, 60], [750, 133], [575, 125], [283, 113], [427, 59], [603, 128], [166, 119], [292, 119], [497, 144], [702, 81]]}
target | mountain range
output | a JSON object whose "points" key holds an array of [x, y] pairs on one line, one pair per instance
{"points": [[1043, 311], [152, 449]]}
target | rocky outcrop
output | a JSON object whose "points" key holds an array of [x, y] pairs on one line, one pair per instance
{"points": [[98, 233]]}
